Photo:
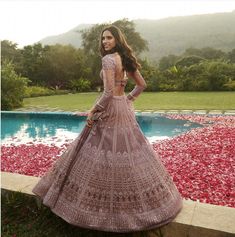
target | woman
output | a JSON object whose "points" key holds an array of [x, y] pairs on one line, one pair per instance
{"points": [[110, 178]]}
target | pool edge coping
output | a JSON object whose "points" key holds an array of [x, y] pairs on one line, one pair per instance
{"points": [[137, 112], [195, 217]]}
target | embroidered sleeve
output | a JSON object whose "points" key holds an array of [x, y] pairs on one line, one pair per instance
{"points": [[139, 87], [108, 70]]}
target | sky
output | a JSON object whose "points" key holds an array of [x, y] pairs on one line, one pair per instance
{"points": [[26, 22]]}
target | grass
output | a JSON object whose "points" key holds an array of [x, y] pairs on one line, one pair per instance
{"points": [[146, 101], [21, 216]]}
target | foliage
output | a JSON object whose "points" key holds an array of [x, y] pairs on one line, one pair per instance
{"points": [[90, 43], [80, 85], [205, 53], [33, 63], [171, 35], [230, 86], [12, 87], [218, 74], [151, 75], [167, 62], [54, 66], [189, 60], [195, 73], [90, 37], [231, 56], [67, 68], [34, 91], [9, 52]]}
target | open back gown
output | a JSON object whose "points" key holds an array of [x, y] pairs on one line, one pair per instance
{"points": [[116, 182]]}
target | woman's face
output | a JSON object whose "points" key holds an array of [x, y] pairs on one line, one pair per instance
{"points": [[108, 40]]}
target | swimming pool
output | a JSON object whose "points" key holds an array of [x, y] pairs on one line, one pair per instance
{"points": [[57, 127]]}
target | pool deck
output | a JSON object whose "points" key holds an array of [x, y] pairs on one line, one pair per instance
{"points": [[195, 219], [162, 111]]}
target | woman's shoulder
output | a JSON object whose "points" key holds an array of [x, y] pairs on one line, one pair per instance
{"points": [[110, 55], [108, 61]]}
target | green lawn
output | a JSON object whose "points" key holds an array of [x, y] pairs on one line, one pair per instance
{"points": [[146, 101]]}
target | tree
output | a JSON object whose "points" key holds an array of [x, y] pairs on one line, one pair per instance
{"points": [[189, 60], [90, 37], [33, 56], [206, 52], [207, 75], [211, 53], [80, 85], [56, 66], [12, 87], [90, 43], [231, 56], [192, 51], [9, 52], [167, 61], [219, 73], [194, 78], [151, 75], [64, 64]]}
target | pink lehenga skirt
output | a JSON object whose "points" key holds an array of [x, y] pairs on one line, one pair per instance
{"points": [[110, 178]]}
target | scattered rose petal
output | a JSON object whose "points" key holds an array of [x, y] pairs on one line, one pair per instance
{"points": [[201, 161]]}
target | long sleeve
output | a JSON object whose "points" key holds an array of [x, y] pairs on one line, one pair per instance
{"points": [[139, 87], [108, 72]]}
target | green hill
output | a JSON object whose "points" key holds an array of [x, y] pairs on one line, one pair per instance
{"points": [[172, 35]]}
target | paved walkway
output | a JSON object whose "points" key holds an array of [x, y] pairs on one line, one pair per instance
{"points": [[162, 111]]}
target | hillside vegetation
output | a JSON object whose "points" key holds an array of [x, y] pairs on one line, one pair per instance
{"points": [[171, 35]]}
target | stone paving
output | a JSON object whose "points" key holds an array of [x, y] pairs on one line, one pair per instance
{"points": [[162, 111]]}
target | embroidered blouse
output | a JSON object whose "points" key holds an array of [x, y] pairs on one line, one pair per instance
{"points": [[110, 74]]}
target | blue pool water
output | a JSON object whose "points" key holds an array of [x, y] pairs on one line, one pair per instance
{"points": [[25, 127]]}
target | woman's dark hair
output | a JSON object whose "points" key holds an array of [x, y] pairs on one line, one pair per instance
{"points": [[129, 61]]}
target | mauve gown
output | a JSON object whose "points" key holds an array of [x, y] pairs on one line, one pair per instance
{"points": [[110, 178]]}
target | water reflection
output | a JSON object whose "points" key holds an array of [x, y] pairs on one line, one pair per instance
{"points": [[39, 125], [42, 126], [162, 126]]}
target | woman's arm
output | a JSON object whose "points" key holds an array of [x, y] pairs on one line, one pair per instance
{"points": [[139, 87], [108, 69]]}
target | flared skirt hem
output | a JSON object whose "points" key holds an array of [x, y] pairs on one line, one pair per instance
{"points": [[117, 229]]}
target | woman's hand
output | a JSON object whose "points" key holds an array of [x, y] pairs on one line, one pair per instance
{"points": [[89, 119]]}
